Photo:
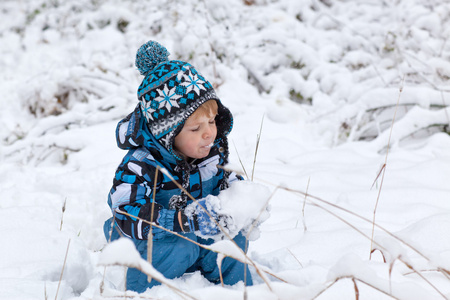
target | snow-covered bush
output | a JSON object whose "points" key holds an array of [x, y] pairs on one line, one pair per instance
{"points": [[350, 66]]}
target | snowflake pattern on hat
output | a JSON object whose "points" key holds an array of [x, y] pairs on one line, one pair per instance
{"points": [[193, 82], [173, 93]]}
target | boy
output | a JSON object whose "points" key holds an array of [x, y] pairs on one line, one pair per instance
{"points": [[179, 125]]}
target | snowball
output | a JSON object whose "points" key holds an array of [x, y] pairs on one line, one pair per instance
{"points": [[246, 202]]}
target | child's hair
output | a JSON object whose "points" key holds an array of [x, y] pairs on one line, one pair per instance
{"points": [[209, 108]]}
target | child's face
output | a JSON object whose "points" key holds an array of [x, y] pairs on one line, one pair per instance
{"points": [[196, 137]]}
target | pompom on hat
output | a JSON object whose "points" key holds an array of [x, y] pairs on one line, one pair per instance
{"points": [[149, 55], [170, 92]]}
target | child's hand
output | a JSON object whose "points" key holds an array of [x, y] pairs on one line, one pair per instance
{"points": [[195, 218], [204, 223]]}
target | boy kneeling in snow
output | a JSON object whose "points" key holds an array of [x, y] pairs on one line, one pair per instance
{"points": [[181, 126]]}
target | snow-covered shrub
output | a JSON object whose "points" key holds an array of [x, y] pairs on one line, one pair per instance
{"points": [[346, 65]]}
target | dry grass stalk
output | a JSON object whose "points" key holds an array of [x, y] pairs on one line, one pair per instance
{"points": [[150, 234], [383, 170], [62, 215], [354, 279], [381, 252], [303, 208], [258, 139], [245, 269], [220, 258], [363, 234], [240, 161], [391, 267], [421, 276], [310, 197], [356, 289], [294, 257], [62, 270], [427, 270]]}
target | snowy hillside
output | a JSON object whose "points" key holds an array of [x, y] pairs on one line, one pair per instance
{"points": [[349, 101]]}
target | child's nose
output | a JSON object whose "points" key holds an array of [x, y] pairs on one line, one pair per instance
{"points": [[207, 133]]}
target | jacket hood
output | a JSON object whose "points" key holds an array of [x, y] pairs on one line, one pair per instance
{"points": [[132, 133]]}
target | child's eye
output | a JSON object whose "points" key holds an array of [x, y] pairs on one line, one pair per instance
{"points": [[212, 121], [195, 129]]}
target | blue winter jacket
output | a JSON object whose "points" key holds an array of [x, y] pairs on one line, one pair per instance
{"points": [[136, 182]]}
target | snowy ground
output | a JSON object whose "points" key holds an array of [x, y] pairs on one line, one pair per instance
{"points": [[322, 77]]}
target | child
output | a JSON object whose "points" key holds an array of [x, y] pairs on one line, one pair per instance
{"points": [[179, 125]]}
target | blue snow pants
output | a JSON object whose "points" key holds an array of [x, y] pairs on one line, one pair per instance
{"points": [[173, 256]]}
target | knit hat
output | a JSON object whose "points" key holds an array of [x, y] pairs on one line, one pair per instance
{"points": [[170, 92]]}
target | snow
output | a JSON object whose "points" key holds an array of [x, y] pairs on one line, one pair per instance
{"points": [[245, 201], [316, 82]]}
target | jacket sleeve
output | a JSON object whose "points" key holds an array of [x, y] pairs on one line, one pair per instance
{"points": [[132, 193]]}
